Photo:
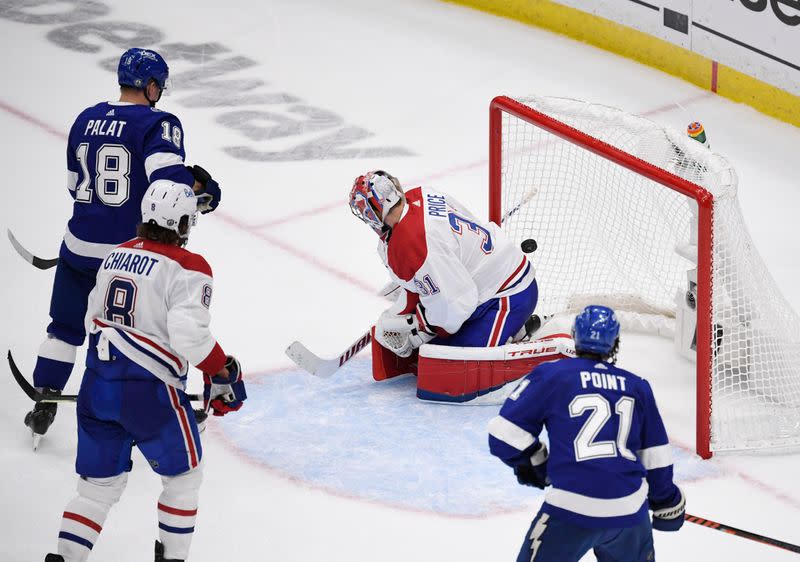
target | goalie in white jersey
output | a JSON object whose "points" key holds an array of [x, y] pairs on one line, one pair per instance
{"points": [[148, 319], [465, 283]]}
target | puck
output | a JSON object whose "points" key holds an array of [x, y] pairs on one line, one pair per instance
{"points": [[528, 245]]}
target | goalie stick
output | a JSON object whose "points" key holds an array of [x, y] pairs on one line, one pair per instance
{"points": [[38, 396], [741, 533], [36, 261], [324, 368]]}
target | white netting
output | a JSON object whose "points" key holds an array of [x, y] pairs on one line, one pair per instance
{"points": [[607, 234]]}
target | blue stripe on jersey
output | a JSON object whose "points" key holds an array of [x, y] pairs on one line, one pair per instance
{"points": [[150, 354], [176, 530], [518, 281], [75, 538]]}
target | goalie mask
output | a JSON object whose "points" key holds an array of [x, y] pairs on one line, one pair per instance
{"points": [[372, 197]]}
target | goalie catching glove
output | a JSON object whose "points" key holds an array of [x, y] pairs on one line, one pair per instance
{"points": [[402, 333], [224, 394]]}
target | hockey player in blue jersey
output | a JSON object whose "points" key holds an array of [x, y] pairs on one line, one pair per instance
{"points": [[115, 150], [148, 318], [610, 460]]}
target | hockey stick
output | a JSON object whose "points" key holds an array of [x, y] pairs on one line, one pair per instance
{"points": [[740, 533], [41, 263], [325, 368], [37, 396]]}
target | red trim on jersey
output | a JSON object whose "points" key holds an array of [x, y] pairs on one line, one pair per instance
{"points": [[176, 511], [214, 361], [81, 519], [184, 425], [508, 281], [499, 322], [188, 260], [407, 249], [146, 340]]}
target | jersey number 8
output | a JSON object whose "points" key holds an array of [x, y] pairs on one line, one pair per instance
{"points": [[111, 181], [121, 301]]}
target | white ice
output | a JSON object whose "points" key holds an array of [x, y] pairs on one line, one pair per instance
{"points": [[350, 469]]}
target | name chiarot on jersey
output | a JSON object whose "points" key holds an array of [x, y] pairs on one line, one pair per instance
{"points": [[130, 262]]}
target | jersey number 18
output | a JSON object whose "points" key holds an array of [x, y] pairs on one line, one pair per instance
{"points": [[111, 181]]}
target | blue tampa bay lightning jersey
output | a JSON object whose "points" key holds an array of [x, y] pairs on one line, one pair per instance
{"points": [[609, 451], [115, 150]]}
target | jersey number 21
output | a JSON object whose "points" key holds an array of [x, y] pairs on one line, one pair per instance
{"points": [[586, 447]]}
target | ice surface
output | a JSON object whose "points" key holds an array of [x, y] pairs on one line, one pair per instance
{"points": [[347, 469]]}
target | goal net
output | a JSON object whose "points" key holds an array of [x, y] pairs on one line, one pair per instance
{"points": [[639, 217]]}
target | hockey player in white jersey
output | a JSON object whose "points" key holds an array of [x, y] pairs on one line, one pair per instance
{"points": [[610, 458], [464, 282], [148, 319]]}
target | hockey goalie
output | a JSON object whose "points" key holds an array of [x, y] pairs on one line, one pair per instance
{"points": [[460, 286]]}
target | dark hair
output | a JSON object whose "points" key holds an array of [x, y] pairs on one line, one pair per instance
{"points": [[611, 357], [152, 231]]}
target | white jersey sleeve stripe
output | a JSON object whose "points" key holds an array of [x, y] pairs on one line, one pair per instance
{"points": [[598, 507], [159, 160], [57, 350], [510, 433], [86, 249], [72, 180], [656, 457]]}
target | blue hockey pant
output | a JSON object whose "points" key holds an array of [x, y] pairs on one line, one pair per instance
{"points": [[66, 332], [550, 539], [495, 321], [114, 413]]}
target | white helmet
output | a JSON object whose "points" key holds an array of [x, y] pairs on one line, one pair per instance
{"points": [[166, 203]]}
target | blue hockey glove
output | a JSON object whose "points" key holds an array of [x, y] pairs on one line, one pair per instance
{"points": [[209, 198], [532, 471], [668, 514], [223, 395]]}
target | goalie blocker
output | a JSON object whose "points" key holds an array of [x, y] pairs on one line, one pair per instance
{"points": [[461, 374]]}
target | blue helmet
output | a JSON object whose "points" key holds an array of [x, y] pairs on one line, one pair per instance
{"points": [[138, 66], [596, 331]]}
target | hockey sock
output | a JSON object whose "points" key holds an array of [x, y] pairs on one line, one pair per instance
{"points": [[177, 511], [54, 364], [85, 515]]}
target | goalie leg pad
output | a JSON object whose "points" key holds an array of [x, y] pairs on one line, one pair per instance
{"points": [[460, 374], [386, 364]]}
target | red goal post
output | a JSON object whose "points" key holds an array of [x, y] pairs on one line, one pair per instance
{"points": [[536, 163]]}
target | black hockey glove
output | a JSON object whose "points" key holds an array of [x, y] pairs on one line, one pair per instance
{"points": [[668, 515], [532, 470], [209, 198]]}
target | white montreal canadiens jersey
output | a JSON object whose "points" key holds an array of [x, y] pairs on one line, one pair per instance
{"points": [[151, 302], [451, 259]]}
